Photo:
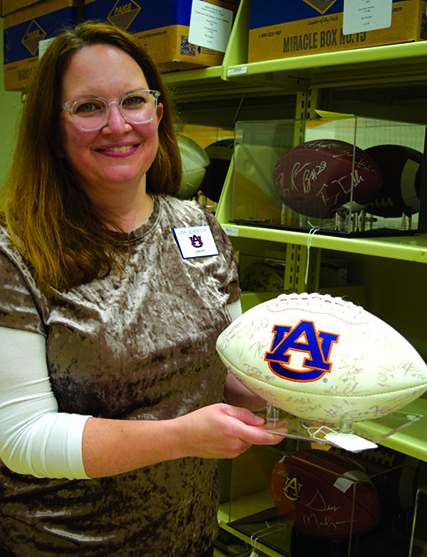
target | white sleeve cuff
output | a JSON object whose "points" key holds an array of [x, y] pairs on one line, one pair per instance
{"points": [[235, 310], [35, 438]]}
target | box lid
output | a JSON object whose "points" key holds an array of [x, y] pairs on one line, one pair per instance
{"points": [[7, 6]]}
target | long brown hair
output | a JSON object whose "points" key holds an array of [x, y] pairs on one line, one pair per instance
{"points": [[50, 219]]}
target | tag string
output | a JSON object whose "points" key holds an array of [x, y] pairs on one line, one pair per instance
{"points": [[312, 232]]}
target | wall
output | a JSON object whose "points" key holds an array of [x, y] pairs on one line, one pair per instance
{"points": [[10, 105]]}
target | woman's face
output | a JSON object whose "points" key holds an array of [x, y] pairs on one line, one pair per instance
{"points": [[119, 154]]}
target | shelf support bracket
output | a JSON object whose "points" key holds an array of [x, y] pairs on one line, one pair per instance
{"points": [[302, 269]]}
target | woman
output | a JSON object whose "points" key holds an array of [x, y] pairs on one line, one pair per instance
{"points": [[110, 386]]}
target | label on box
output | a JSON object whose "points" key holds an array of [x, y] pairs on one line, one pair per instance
{"points": [[210, 25], [43, 44], [162, 28], [277, 32], [366, 15]]}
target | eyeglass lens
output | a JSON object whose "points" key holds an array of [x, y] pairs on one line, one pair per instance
{"points": [[92, 113]]}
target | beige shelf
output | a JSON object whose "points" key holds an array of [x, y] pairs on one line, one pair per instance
{"points": [[411, 440], [391, 66], [197, 84]]}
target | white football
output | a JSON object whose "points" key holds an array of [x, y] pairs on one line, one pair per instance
{"points": [[323, 358], [195, 167]]}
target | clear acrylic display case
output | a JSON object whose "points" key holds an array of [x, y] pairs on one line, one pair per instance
{"points": [[254, 515], [261, 198]]}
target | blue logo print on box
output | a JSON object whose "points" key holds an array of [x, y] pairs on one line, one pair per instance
{"points": [[273, 12], [129, 15], [21, 41], [123, 13], [32, 37], [321, 6]]}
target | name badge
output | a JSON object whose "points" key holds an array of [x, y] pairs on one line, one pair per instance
{"points": [[195, 241]]}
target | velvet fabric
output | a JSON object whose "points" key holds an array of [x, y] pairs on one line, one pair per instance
{"points": [[140, 346]]}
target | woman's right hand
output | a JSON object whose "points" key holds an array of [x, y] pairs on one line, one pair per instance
{"points": [[222, 431]]}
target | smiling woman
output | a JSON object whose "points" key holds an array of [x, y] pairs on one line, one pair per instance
{"points": [[111, 390], [62, 232], [116, 153]]}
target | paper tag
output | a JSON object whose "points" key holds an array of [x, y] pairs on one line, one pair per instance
{"points": [[210, 25], [350, 442], [366, 15], [43, 44], [231, 231], [237, 71], [195, 241]]}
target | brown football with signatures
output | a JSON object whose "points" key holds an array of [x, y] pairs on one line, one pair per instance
{"points": [[318, 177], [324, 495]]}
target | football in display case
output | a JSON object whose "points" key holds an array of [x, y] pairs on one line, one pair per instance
{"points": [[325, 495], [335, 175], [295, 500]]}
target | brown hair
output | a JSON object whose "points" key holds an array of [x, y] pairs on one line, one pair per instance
{"points": [[50, 219]]}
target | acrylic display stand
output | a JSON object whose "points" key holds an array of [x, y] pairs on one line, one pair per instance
{"points": [[349, 435]]}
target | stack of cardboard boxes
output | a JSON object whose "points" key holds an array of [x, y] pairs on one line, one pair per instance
{"points": [[26, 23], [162, 27]]}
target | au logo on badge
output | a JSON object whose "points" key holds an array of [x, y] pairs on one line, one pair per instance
{"points": [[195, 241]]}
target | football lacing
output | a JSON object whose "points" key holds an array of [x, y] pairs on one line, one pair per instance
{"points": [[326, 302]]}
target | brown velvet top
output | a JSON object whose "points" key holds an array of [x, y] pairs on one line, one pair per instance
{"points": [[134, 346]]}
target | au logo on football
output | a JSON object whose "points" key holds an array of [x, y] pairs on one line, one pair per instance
{"points": [[302, 338]]}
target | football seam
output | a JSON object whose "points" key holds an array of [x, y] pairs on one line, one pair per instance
{"points": [[320, 311]]}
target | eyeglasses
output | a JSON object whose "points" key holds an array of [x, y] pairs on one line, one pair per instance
{"points": [[92, 113]]}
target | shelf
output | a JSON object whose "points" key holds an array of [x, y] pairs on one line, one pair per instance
{"points": [[381, 66], [393, 68], [245, 506], [405, 248], [412, 440], [362, 67], [198, 84], [389, 65]]}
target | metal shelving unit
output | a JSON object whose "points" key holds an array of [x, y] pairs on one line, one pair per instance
{"points": [[383, 66], [395, 75]]}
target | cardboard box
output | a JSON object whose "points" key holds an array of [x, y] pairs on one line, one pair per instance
{"points": [[8, 6], [24, 29], [275, 31], [162, 27]]}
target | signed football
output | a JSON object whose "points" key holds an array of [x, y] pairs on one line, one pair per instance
{"points": [[401, 169], [323, 358], [317, 177], [220, 154], [394, 475], [324, 495]]}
